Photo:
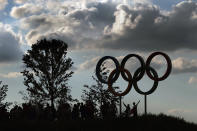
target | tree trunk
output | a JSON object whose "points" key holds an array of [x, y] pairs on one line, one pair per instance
{"points": [[52, 102], [52, 107]]}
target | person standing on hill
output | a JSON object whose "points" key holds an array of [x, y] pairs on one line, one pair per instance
{"points": [[127, 111], [134, 109]]}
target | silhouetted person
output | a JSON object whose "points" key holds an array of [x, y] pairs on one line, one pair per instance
{"points": [[49, 112], [105, 110], [82, 111], [128, 109], [112, 110], [29, 111], [134, 109], [68, 111], [64, 111], [39, 109], [16, 113], [3, 113], [75, 112], [60, 112], [90, 109]]}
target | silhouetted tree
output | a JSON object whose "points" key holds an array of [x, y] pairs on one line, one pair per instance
{"points": [[3, 94], [4, 115], [47, 71], [99, 93], [28, 97]]}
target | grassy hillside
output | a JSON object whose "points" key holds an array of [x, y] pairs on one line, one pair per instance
{"points": [[142, 123]]}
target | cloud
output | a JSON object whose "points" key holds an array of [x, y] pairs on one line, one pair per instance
{"points": [[147, 28], [3, 4], [74, 26], [10, 50], [48, 26], [20, 1], [178, 111], [110, 25], [192, 80], [183, 65], [11, 75], [132, 64], [187, 114], [25, 10], [88, 64]]}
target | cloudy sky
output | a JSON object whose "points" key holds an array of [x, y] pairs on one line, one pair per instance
{"points": [[96, 28]]}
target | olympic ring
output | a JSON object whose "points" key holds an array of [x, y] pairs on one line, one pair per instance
{"points": [[98, 70], [154, 87], [129, 85], [141, 62], [169, 67], [139, 73]]}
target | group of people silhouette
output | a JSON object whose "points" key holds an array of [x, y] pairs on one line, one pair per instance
{"points": [[130, 111], [65, 111]]}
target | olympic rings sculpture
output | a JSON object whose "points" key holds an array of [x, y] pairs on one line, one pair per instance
{"points": [[138, 74]]}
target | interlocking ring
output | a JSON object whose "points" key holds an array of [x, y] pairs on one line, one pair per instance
{"points": [[98, 69], [128, 87], [141, 62], [139, 73], [169, 67], [154, 87]]}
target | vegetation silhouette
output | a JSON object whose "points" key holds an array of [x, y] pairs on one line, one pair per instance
{"points": [[50, 106], [47, 71], [142, 123], [99, 94], [3, 94]]}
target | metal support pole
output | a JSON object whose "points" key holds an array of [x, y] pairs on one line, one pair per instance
{"points": [[145, 105], [120, 105]]}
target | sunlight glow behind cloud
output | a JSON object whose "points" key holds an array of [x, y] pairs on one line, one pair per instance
{"points": [[110, 25], [3, 3], [11, 75]]}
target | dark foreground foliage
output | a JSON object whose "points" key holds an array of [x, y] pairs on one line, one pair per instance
{"points": [[142, 123]]}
